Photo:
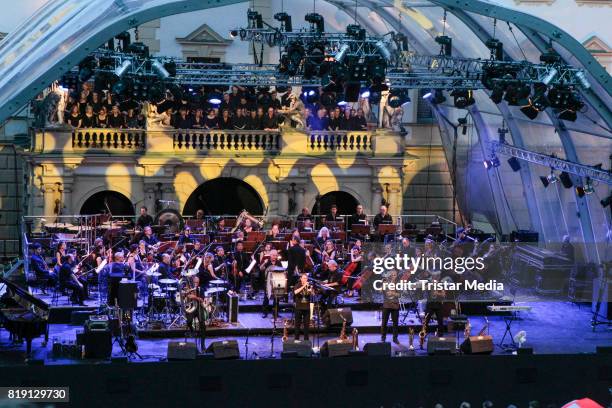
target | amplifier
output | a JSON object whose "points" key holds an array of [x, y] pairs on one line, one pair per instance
{"points": [[381, 349], [336, 348], [79, 317], [335, 317], [477, 345], [441, 343], [127, 295], [232, 308], [303, 348], [97, 340], [224, 350], [181, 350]]}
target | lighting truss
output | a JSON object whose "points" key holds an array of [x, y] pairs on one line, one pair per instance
{"points": [[552, 162], [523, 71]]}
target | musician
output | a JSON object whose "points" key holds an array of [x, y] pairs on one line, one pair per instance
{"points": [[406, 248], [306, 226], [333, 214], [359, 217], [269, 263], [322, 237], [112, 274], [435, 303], [206, 272], [296, 259], [247, 227], [68, 280], [185, 237], [329, 251], [166, 268], [220, 262], [239, 264], [137, 269], [149, 238], [390, 308], [304, 215], [383, 217], [141, 253], [273, 234], [144, 220], [39, 266], [60, 253], [332, 283], [221, 225], [239, 237], [302, 295], [353, 269]]}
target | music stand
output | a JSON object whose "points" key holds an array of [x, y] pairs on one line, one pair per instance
{"points": [[360, 229]]}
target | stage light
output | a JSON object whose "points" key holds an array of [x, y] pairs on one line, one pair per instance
{"points": [[158, 67], [438, 97], [285, 19], [446, 44], [568, 115], [582, 80], [233, 33], [365, 93], [427, 95], [342, 52], [342, 103], [397, 98], [121, 86], [383, 50], [255, 19], [491, 163], [550, 179], [328, 99], [215, 98], [463, 98], [517, 93], [86, 68], [550, 76], [316, 20], [587, 189], [122, 69]]}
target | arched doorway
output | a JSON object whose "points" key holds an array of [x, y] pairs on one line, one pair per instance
{"points": [[345, 202], [224, 196], [103, 201]]}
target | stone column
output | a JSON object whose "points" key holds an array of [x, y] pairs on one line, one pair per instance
{"points": [[67, 200], [376, 198], [299, 198], [49, 197], [283, 199]]}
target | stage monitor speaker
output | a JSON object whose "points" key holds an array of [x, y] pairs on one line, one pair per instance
{"points": [[127, 296], [79, 317], [335, 317], [232, 304], [97, 339], [514, 163], [441, 343], [566, 180], [524, 236], [224, 350], [181, 350], [336, 348], [380, 349], [303, 348], [478, 345], [522, 351]]}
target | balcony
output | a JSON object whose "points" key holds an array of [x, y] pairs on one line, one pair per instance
{"points": [[194, 142]]}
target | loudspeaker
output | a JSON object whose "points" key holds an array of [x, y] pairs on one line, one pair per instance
{"points": [[335, 317], [79, 317], [303, 348], [127, 295], [224, 350], [441, 343], [232, 308], [566, 180], [97, 339], [181, 350], [514, 163], [336, 348], [381, 349], [477, 345], [524, 351]]}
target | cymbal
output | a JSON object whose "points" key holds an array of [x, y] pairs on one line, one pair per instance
{"points": [[154, 287], [214, 290], [77, 228], [168, 281], [217, 282], [154, 274], [190, 272], [55, 225]]}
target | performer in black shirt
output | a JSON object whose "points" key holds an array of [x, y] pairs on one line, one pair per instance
{"points": [[302, 295], [333, 214], [391, 308], [68, 280], [166, 268], [115, 271], [296, 259], [239, 264], [185, 237], [149, 238], [382, 217], [39, 266], [359, 217], [144, 220], [407, 249]]}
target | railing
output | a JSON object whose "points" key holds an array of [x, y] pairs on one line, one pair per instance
{"points": [[105, 139], [339, 141], [227, 140]]}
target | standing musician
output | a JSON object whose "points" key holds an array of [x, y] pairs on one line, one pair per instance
{"points": [[60, 253], [304, 215], [144, 220], [359, 217], [333, 214], [220, 263], [137, 269], [383, 217], [149, 238], [206, 272], [435, 302], [303, 297], [296, 259], [68, 280], [239, 264], [391, 308], [112, 275], [269, 264]]}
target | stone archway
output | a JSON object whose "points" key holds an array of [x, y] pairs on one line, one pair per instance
{"points": [[224, 196], [345, 202], [105, 201]]}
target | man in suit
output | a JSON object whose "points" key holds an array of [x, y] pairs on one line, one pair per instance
{"points": [[296, 259]]}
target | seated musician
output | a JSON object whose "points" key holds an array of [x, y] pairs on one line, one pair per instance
{"points": [[296, 259], [240, 262], [306, 226], [304, 215], [406, 248], [248, 226], [206, 272], [302, 295], [273, 234], [40, 268], [332, 281], [329, 251], [149, 238], [239, 237], [144, 220], [142, 253], [68, 280], [333, 214], [185, 237], [220, 263], [269, 263], [166, 268], [383, 217], [353, 269], [220, 227], [322, 237]]}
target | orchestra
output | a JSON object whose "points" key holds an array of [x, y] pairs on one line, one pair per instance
{"points": [[310, 260]]}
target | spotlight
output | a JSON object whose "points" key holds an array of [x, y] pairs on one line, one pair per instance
{"points": [[550, 76], [316, 20], [397, 98], [341, 54], [122, 69], [356, 32], [582, 80], [365, 93], [517, 94], [550, 179], [311, 96], [342, 103], [158, 67], [446, 44], [514, 163], [497, 94], [234, 33], [285, 19], [290, 62], [255, 19], [215, 98], [530, 111], [427, 95], [170, 66], [491, 163], [463, 98], [587, 189], [568, 115], [383, 50]]}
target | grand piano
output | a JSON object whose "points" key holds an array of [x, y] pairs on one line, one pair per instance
{"points": [[23, 315], [549, 271]]}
